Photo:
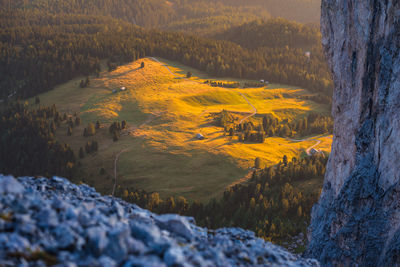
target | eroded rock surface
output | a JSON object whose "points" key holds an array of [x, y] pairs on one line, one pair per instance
{"points": [[357, 219], [51, 221]]}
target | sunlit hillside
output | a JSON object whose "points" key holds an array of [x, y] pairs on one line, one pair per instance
{"points": [[164, 110]]}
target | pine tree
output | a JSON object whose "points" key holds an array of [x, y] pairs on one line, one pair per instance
{"points": [[81, 153], [94, 146], [285, 160], [115, 136], [88, 148], [91, 130], [299, 211], [257, 163], [53, 127], [69, 131]]}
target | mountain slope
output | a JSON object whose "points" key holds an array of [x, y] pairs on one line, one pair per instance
{"points": [[178, 15], [274, 33]]}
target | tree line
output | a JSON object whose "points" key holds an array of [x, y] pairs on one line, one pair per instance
{"points": [[28, 145], [312, 124], [252, 131], [193, 15], [273, 33], [305, 11], [45, 50], [148, 13]]}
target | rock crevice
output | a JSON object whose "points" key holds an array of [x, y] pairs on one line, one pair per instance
{"points": [[357, 218]]}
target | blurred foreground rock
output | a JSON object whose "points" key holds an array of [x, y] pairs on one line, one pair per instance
{"points": [[53, 222]]}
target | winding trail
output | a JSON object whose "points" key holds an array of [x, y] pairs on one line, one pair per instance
{"points": [[115, 168], [254, 108], [241, 180], [311, 147], [315, 138], [129, 131], [166, 66]]}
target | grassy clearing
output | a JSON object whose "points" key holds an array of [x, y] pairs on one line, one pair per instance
{"points": [[215, 98], [164, 113], [200, 173]]}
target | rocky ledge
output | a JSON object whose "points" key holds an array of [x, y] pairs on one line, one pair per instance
{"points": [[54, 222]]}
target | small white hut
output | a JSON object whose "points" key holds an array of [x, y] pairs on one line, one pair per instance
{"points": [[199, 136], [313, 151]]}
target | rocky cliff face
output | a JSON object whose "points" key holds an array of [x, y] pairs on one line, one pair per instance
{"points": [[51, 221], [357, 219]]}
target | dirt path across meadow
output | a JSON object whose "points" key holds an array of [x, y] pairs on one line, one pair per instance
{"points": [[129, 131]]}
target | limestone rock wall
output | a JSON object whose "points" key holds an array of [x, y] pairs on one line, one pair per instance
{"points": [[357, 218]]}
